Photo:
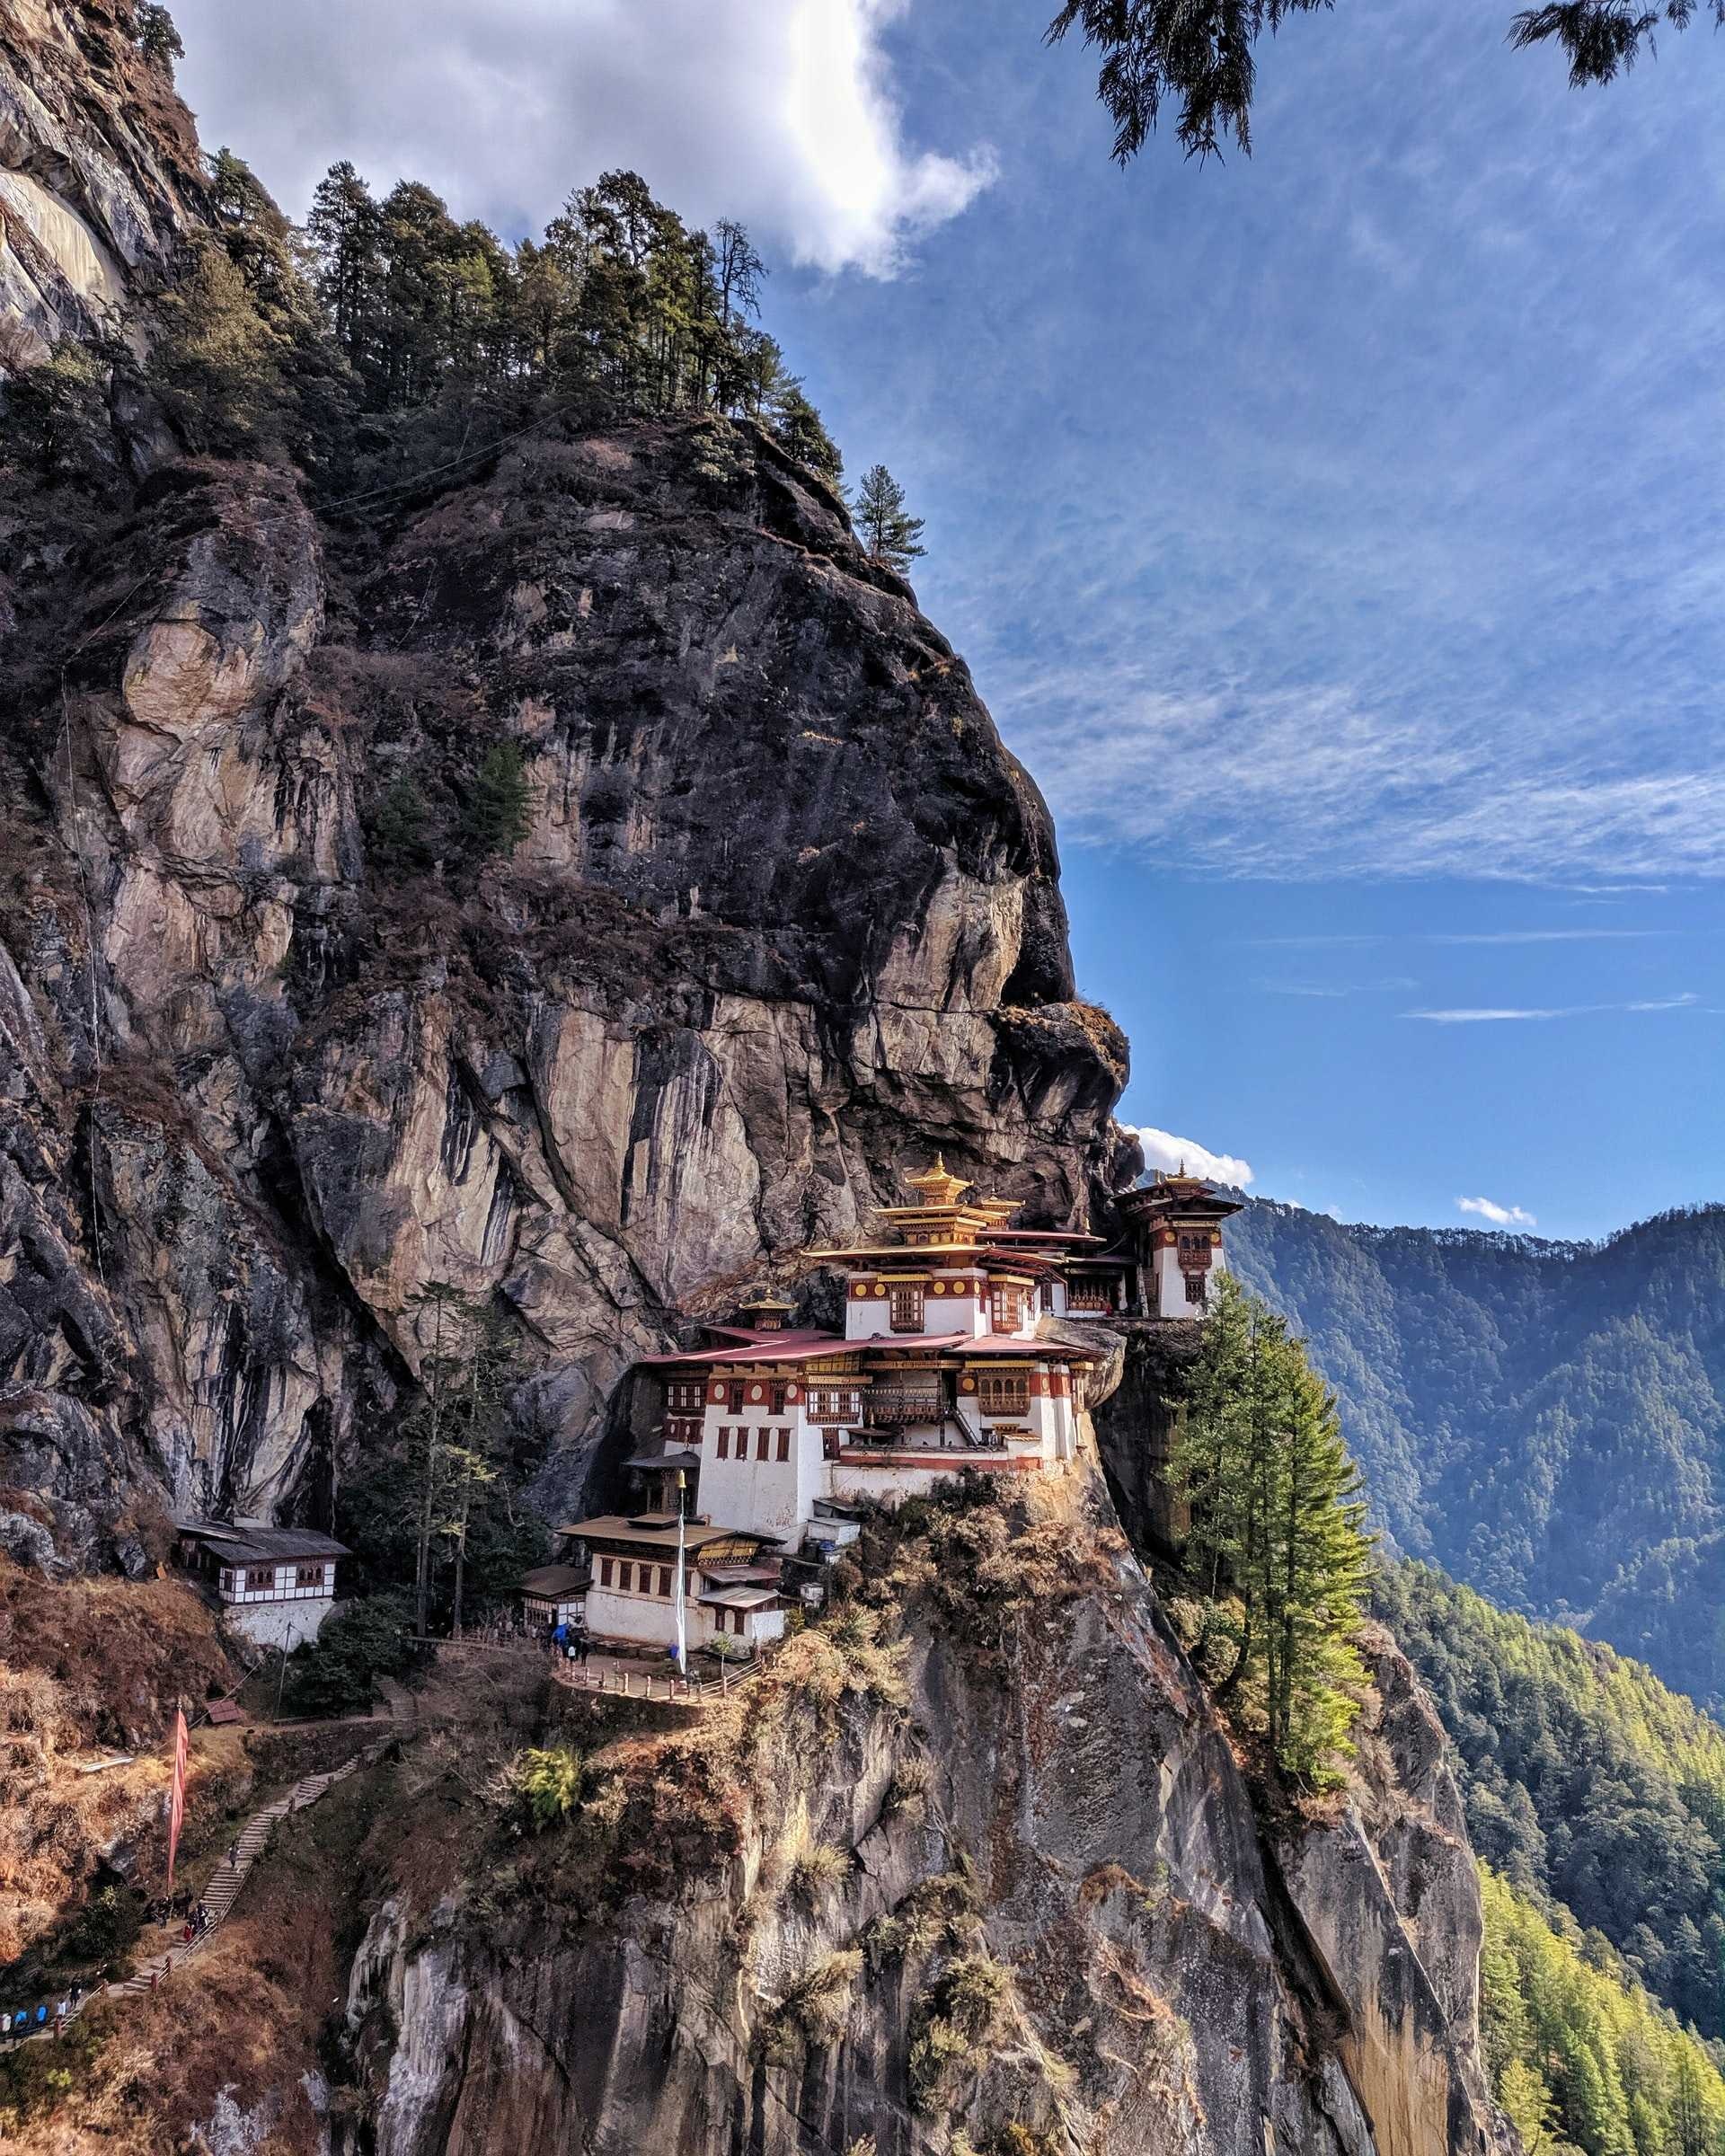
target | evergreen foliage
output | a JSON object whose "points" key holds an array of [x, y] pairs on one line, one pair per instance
{"points": [[1580, 2057], [1586, 1782], [501, 807], [358, 1643], [440, 1500], [1545, 1420], [883, 523], [157, 39], [1277, 1543], [1199, 55]]}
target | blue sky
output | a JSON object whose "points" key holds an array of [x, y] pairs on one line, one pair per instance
{"points": [[1335, 533]]}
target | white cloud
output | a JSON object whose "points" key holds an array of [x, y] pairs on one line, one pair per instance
{"points": [[1501, 1216], [1163, 1150], [1494, 1016], [782, 113]]}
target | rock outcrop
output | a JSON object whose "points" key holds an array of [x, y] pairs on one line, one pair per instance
{"points": [[784, 917], [100, 172], [1046, 1901]]}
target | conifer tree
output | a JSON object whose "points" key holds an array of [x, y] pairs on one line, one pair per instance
{"points": [[1277, 1541], [883, 523], [501, 808]]}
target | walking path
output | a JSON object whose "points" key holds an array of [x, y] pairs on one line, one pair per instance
{"points": [[626, 1676], [224, 1887]]}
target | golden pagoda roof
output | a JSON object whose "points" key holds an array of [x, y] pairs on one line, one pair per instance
{"points": [[937, 1186]]}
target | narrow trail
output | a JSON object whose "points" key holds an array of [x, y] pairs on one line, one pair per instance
{"points": [[223, 1890]]}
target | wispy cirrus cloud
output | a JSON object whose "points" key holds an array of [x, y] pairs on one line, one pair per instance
{"points": [[1499, 1217], [1487, 1015]]}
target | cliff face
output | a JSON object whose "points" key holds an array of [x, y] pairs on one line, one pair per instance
{"points": [[99, 172], [1045, 1903], [784, 919]]}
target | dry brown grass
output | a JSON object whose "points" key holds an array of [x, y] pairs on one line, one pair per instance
{"points": [[243, 2018], [85, 1666]]}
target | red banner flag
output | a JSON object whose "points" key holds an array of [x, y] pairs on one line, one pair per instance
{"points": [[177, 1794]]}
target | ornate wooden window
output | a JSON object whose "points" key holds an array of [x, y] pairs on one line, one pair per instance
{"points": [[685, 1396], [1004, 1392], [260, 1578], [905, 1308], [1005, 1307], [836, 1403], [775, 1396], [736, 1392], [308, 1576]]}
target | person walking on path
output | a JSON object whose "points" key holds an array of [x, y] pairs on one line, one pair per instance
{"points": [[583, 1646]]}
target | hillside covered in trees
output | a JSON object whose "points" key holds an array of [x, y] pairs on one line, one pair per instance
{"points": [[1542, 1419]]}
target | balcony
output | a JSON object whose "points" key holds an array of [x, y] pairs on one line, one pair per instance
{"points": [[891, 1407], [1090, 1303]]}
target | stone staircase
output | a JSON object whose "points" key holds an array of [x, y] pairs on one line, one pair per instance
{"points": [[226, 1881]]}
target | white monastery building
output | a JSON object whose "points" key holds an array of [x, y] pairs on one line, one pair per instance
{"points": [[952, 1358], [276, 1585]]}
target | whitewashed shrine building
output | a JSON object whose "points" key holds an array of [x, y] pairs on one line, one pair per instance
{"points": [[276, 1585]]}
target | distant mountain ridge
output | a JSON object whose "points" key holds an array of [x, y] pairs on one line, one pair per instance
{"points": [[1545, 1420]]}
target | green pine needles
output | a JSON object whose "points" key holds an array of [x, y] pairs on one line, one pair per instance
{"points": [[1278, 1542]]}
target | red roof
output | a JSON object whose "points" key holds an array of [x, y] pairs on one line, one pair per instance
{"points": [[760, 1347]]}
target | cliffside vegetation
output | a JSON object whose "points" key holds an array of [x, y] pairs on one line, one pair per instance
{"points": [[1545, 1420], [1276, 1553]]}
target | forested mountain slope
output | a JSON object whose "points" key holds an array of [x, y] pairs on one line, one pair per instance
{"points": [[1543, 1419], [1585, 1780]]}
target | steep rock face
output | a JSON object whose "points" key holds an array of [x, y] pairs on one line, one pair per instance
{"points": [[785, 917], [1164, 1981], [100, 175]]}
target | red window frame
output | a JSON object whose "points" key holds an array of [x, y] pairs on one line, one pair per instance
{"points": [[904, 1309], [783, 1452], [724, 1441]]}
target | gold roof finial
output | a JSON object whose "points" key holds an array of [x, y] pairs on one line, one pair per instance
{"points": [[938, 1186]]}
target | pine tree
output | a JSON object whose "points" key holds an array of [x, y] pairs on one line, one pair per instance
{"points": [[157, 39], [345, 228], [1277, 1541], [886, 528], [500, 812]]}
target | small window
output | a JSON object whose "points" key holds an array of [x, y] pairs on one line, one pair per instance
{"points": [[735, 1395], [724, 1441], [606, 1572], [664, 1581], [775, 1397], [626, 1576], [1006, 1309], [763, 1444], [906, 1310], [227, 1582], [785, 1444]]}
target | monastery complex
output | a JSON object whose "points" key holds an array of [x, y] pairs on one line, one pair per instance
{"points": [[963, 1348]]}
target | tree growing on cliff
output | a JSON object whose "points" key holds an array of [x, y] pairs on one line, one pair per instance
{"points": [[500, 812], [1277, 1541], [157, 39], [883, 523]]}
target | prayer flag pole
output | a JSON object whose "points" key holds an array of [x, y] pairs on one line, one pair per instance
{"points": [[679, 1602], [177, 1790]]}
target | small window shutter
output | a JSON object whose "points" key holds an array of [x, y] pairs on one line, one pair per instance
{"points": [[785, 1444]]}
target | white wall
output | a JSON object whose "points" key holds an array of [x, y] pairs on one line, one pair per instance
{"points": [[280, 1623]]}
